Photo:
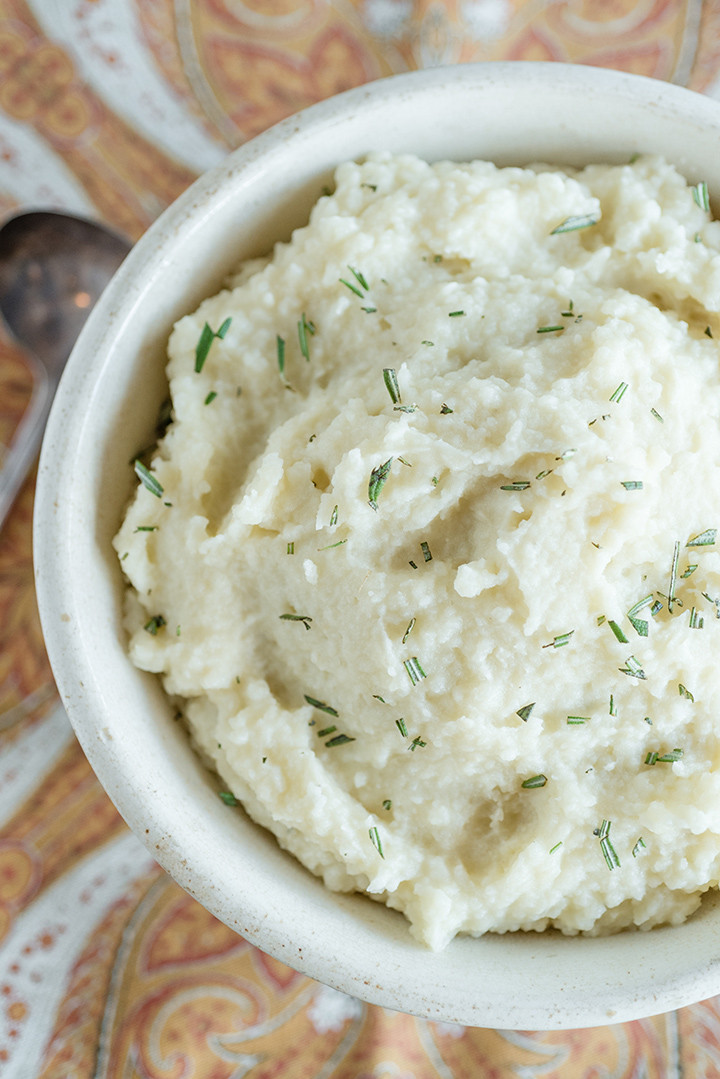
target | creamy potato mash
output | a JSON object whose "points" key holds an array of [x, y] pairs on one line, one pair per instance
{"points": [[429, 551]]}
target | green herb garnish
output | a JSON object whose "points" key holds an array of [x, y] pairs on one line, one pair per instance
{"points": [[391, 384], [701, 196], [414, 670], [417, 743], [304, 618], [400, 724], [619, 392], [632, 485], [154, 624], [632, 668], [577, 721], [320, 705], [685, 692], [376, 841], [525, 711], [304, 327], [409, 630], [280, 353], [206, 339], [640, 845], [378, 478], [445, 410], [516, 485], [617, 631], [427, 555], [387, 803], [534, 781], [608, 851], [561, 640], [550, 329], [671, 598], [575, 222], [210, 397], [228, 798], [338, 740], [704, 539], [148, 479]]}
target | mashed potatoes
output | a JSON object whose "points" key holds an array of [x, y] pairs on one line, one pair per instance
{"points": [[428, 552]]}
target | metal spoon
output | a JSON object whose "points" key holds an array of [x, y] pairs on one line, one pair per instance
{"points": [[53, 267]]}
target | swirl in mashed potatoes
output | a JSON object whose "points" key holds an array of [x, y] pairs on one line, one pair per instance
{"points": [[429, 552]]}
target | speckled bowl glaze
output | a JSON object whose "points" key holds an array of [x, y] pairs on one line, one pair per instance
{"points": [[106, 408]]}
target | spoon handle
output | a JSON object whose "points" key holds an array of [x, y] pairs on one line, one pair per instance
{"points": [[27, 439]]}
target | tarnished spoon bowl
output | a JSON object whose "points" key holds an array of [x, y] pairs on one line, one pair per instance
{"points": [[53, 268]]}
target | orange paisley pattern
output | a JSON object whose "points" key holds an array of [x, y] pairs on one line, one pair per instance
{"points": [[107, 968]]}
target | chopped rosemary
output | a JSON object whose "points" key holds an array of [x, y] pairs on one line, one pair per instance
{"points": [[146, 528], [378, 478], [608, 851], [703, 539], [708, 331], [534, 781], [154, 624], [353, 288], [619, 392], [427, 554], [657, 415], [561, 640], [640, 625], [455, 314], [696, 620], [617, 631], [671, 598], [445, 410], [228, 798], [329, 546], [684, 692], [701, 196], [409, 630], [280, 353], [210, 397], [400, 724], [304, 327], [632, 668], [291, 547], [387, 803], [206, 339], [516, 485], [632, 485], [360, 278], [148, 479], [577, 721], [376, 841], [414, 670], [338, 740], [613, 707], [640, 845], [550, 329], [575, 222], [525, 711], [665, 758], [689, 570], [417, 743], [320, 705], [553, 849], [334, 517], [304, 618], [369, 310], [326, 731], [391, 384]]}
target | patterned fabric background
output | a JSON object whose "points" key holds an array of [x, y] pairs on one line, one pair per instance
{"points": [[110, 108]]}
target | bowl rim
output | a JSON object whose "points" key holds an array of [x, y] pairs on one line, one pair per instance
{"points": [[379, 979]]}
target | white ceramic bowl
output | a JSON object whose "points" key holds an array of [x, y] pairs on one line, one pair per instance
{"points": [[106, 408]]}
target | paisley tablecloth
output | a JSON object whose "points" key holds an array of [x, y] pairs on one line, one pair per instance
{"points": [[107, 968]]}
